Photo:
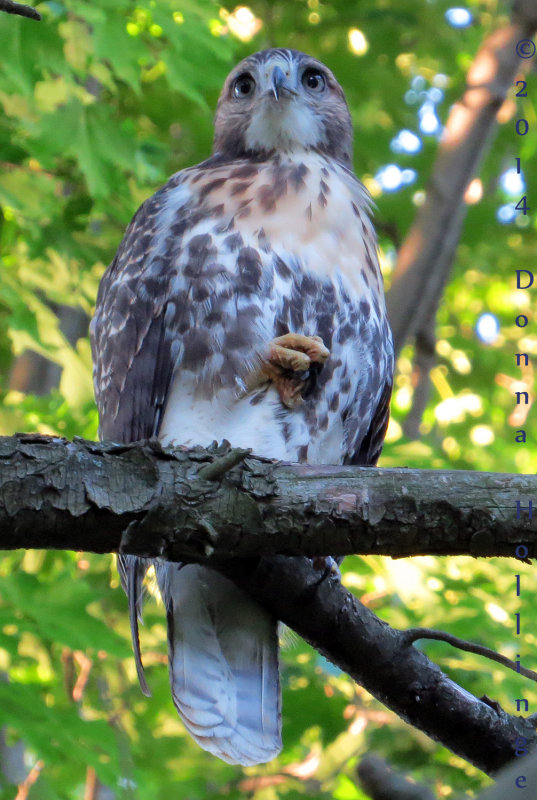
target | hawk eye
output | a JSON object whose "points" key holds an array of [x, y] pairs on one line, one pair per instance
{"points": [[313, 80], [243, 86]]}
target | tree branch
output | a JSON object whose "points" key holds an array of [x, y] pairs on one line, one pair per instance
{"points": [[16, 8], [426, 256], [105, 497], [413, 634], [377, 657], [146, 500], [380, 782], [424, 361], [505, 787]]}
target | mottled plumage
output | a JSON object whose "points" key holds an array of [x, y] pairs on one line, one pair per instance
{"points": [[269, 236]]}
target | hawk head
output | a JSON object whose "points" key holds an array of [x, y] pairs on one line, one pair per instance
{"points": [[282, 101]]}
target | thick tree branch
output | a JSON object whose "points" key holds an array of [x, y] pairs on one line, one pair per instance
{"points": [[383, 783], [104, 498], [427, 254], [377, 657], [505, 787], [149, 501]]}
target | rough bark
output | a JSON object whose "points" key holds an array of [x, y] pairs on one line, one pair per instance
{"points": [[221, 505], [379, 658], [196, 506]]}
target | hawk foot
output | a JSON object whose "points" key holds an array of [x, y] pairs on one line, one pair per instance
{"points": [[294, 348], [287, 358]]}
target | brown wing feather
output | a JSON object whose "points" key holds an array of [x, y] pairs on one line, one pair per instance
{"points": [[133, 365], [371, 446], [130, 346]]}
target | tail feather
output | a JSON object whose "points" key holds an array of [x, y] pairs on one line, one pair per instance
{"points": [[223, 657], [131, 572]]}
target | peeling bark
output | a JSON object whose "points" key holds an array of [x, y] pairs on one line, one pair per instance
{"points": [[201, 505], [232, 510]]}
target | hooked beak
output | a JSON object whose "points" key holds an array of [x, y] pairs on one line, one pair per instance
{"points": [[279, 84]]}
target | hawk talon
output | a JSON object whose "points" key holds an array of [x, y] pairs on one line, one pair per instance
{"points": [[289, 390], [311, 346], [285, 358]]}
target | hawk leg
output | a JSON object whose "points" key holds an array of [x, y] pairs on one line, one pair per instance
{"points": [[286, 363]]}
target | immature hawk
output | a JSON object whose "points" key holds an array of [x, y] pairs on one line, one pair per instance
{"points": [[245, 302]]}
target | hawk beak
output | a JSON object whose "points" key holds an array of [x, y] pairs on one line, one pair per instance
{"points": [[279, 84]]}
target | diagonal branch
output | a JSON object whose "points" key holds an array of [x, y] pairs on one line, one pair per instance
{"points": [[381, 782], [379, 658], [426, 256]]}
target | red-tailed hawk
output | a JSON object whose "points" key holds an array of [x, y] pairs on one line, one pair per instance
{"points": [[245, 302]]}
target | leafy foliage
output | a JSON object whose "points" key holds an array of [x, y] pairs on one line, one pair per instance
{"points": [[101, 102]]}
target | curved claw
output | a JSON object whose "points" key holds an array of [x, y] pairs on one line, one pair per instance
{"points": [[286, 365]]}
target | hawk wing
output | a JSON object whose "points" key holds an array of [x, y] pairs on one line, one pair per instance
{"points": [[131, 349], [131, 342], [223, 647], [368, 452]]}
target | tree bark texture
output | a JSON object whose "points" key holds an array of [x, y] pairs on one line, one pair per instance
{"points": [[191, 506], [226, 508], [380, 659]]}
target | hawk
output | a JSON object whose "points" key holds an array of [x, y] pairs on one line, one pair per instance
{"points": [[245, 302]]}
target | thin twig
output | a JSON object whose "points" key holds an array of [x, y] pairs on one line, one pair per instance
{"points": [[92, 785], [16, 8], [24, 787], [85, 665], [217, 468], [414, 634]]}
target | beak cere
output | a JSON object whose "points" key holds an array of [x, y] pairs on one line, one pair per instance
{"points": [[283, 121], [278, 81]]}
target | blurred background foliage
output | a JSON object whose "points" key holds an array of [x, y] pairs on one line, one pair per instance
{"points": [[101, 101]]}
